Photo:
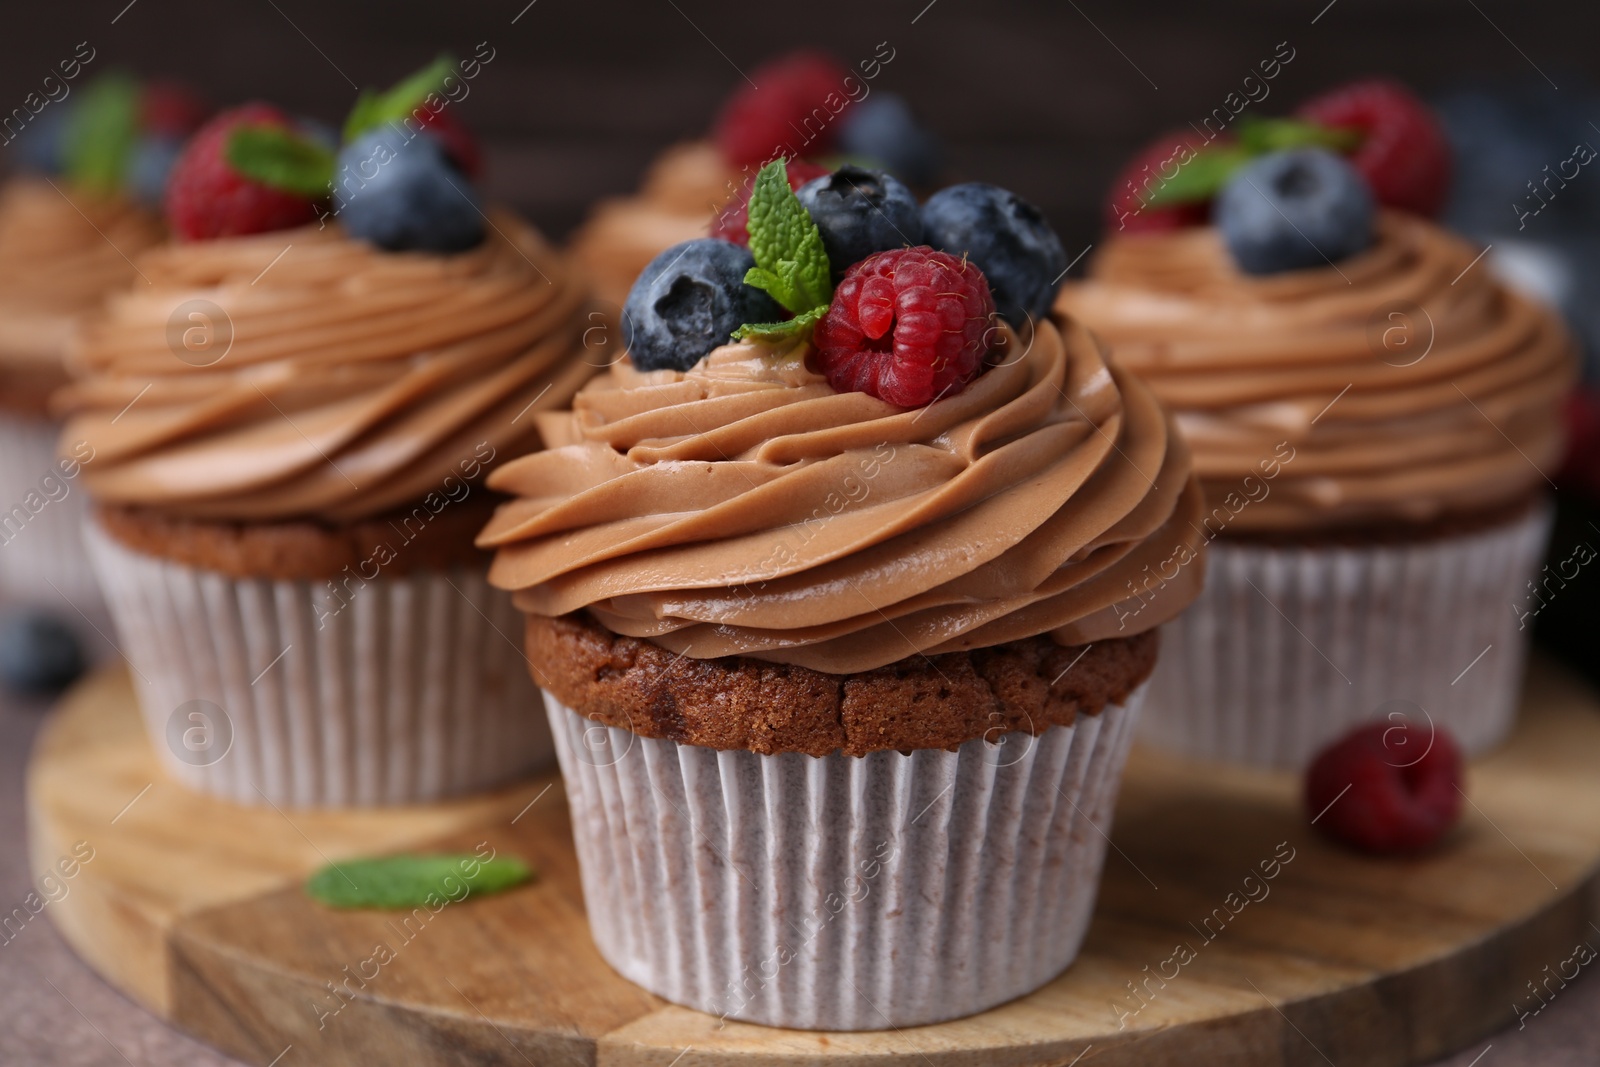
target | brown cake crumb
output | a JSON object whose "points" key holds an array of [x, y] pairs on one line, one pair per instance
{"points": [[741, 703], [401, 542]]}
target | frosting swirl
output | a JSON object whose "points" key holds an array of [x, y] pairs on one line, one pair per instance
{"points": [[1404, 384], [355, 381], [681, 192], [745, 508], [61, 252]]}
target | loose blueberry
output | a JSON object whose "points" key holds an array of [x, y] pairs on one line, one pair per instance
{"points": [[39, 654], [882, 128], [1007, 237], [1291, 210], [400, 192], [688, 301], [152, 162], [859, 212]]}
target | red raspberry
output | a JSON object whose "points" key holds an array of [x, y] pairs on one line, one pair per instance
{"points": [[907, 326], [733, 221], [784, 112], [170, 109], [207, 198], [1126, 210], [1386, 787], [1403, 154], [458, 142]]}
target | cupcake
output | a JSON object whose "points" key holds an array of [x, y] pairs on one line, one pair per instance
{"points": [[805, 106], [844, 623], [70, 224], [1372, 415], [291, 421]]}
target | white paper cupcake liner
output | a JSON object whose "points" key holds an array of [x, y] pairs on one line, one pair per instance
{"points": [[42, 560], [412, 691], [1288, 649], [841, 892]]}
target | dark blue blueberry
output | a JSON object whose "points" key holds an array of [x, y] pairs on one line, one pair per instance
{"points": [[401, 193], [39, 654], [1007, 238], [42, 144], [149, 166], [1290, 210], [881, 128], [859, 212], [688, 301]]}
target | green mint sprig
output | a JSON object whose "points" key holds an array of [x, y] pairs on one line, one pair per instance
{"points": [[403, 882], [376, 109], [282, 159], [1204, 175], [101, 132], [791, 264]]}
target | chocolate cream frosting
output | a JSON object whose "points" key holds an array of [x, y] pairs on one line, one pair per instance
{"points": [[746, 508], [61, 252], [356, 381], [1402, 385]]}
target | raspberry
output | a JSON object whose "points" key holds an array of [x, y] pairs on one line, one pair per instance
{"points": [[1386, 787], [784, 112], [458, 142], [170, 109], [1403, 154], [907, 326], [1125, 210], [733, 221], [207, 198]]}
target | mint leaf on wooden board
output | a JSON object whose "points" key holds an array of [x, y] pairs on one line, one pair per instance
{"points": [[410, 881], [101, 132], [791, 264], [396, 105], [281, 159]]}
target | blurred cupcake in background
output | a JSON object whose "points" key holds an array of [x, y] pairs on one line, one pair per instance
{"points": [[291, 415], [1374, 416], [804, 106], [82, 204]]}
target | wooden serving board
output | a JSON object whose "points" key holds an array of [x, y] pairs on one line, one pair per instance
{"points": [[194, 907]]}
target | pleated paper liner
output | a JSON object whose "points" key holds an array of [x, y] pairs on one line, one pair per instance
{"points": [[42, 560]]}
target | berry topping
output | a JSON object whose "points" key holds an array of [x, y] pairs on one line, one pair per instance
{"points": [[733, 221], [859, 212], [1386, 787], [1131, 208], [460, 146], [881, 128], [39, 654], [791, 109], [170, 109], [400, 191], [689, 300], [1293, 210], [1402, 154], [151, 165], [1007, 238], [418, 102], [230, 180], [907, 326]]}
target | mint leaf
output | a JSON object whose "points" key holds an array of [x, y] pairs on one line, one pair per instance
{"points": [[1260, 136], [1200, 178], [403, 882], [774, 332], [791, 263], [100, 133], [396, 105], [281, 159]]}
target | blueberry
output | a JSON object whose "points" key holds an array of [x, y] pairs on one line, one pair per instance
{"points": [[400, 192], [1290, 210], [688, 301], [42, 144], [881, 128], [39, 654], [860, 212], [149, 166], [1009, 240]]}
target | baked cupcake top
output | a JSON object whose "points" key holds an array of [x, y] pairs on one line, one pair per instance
{"points": [[274, 365], [889, 471], [1333, 363]]}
